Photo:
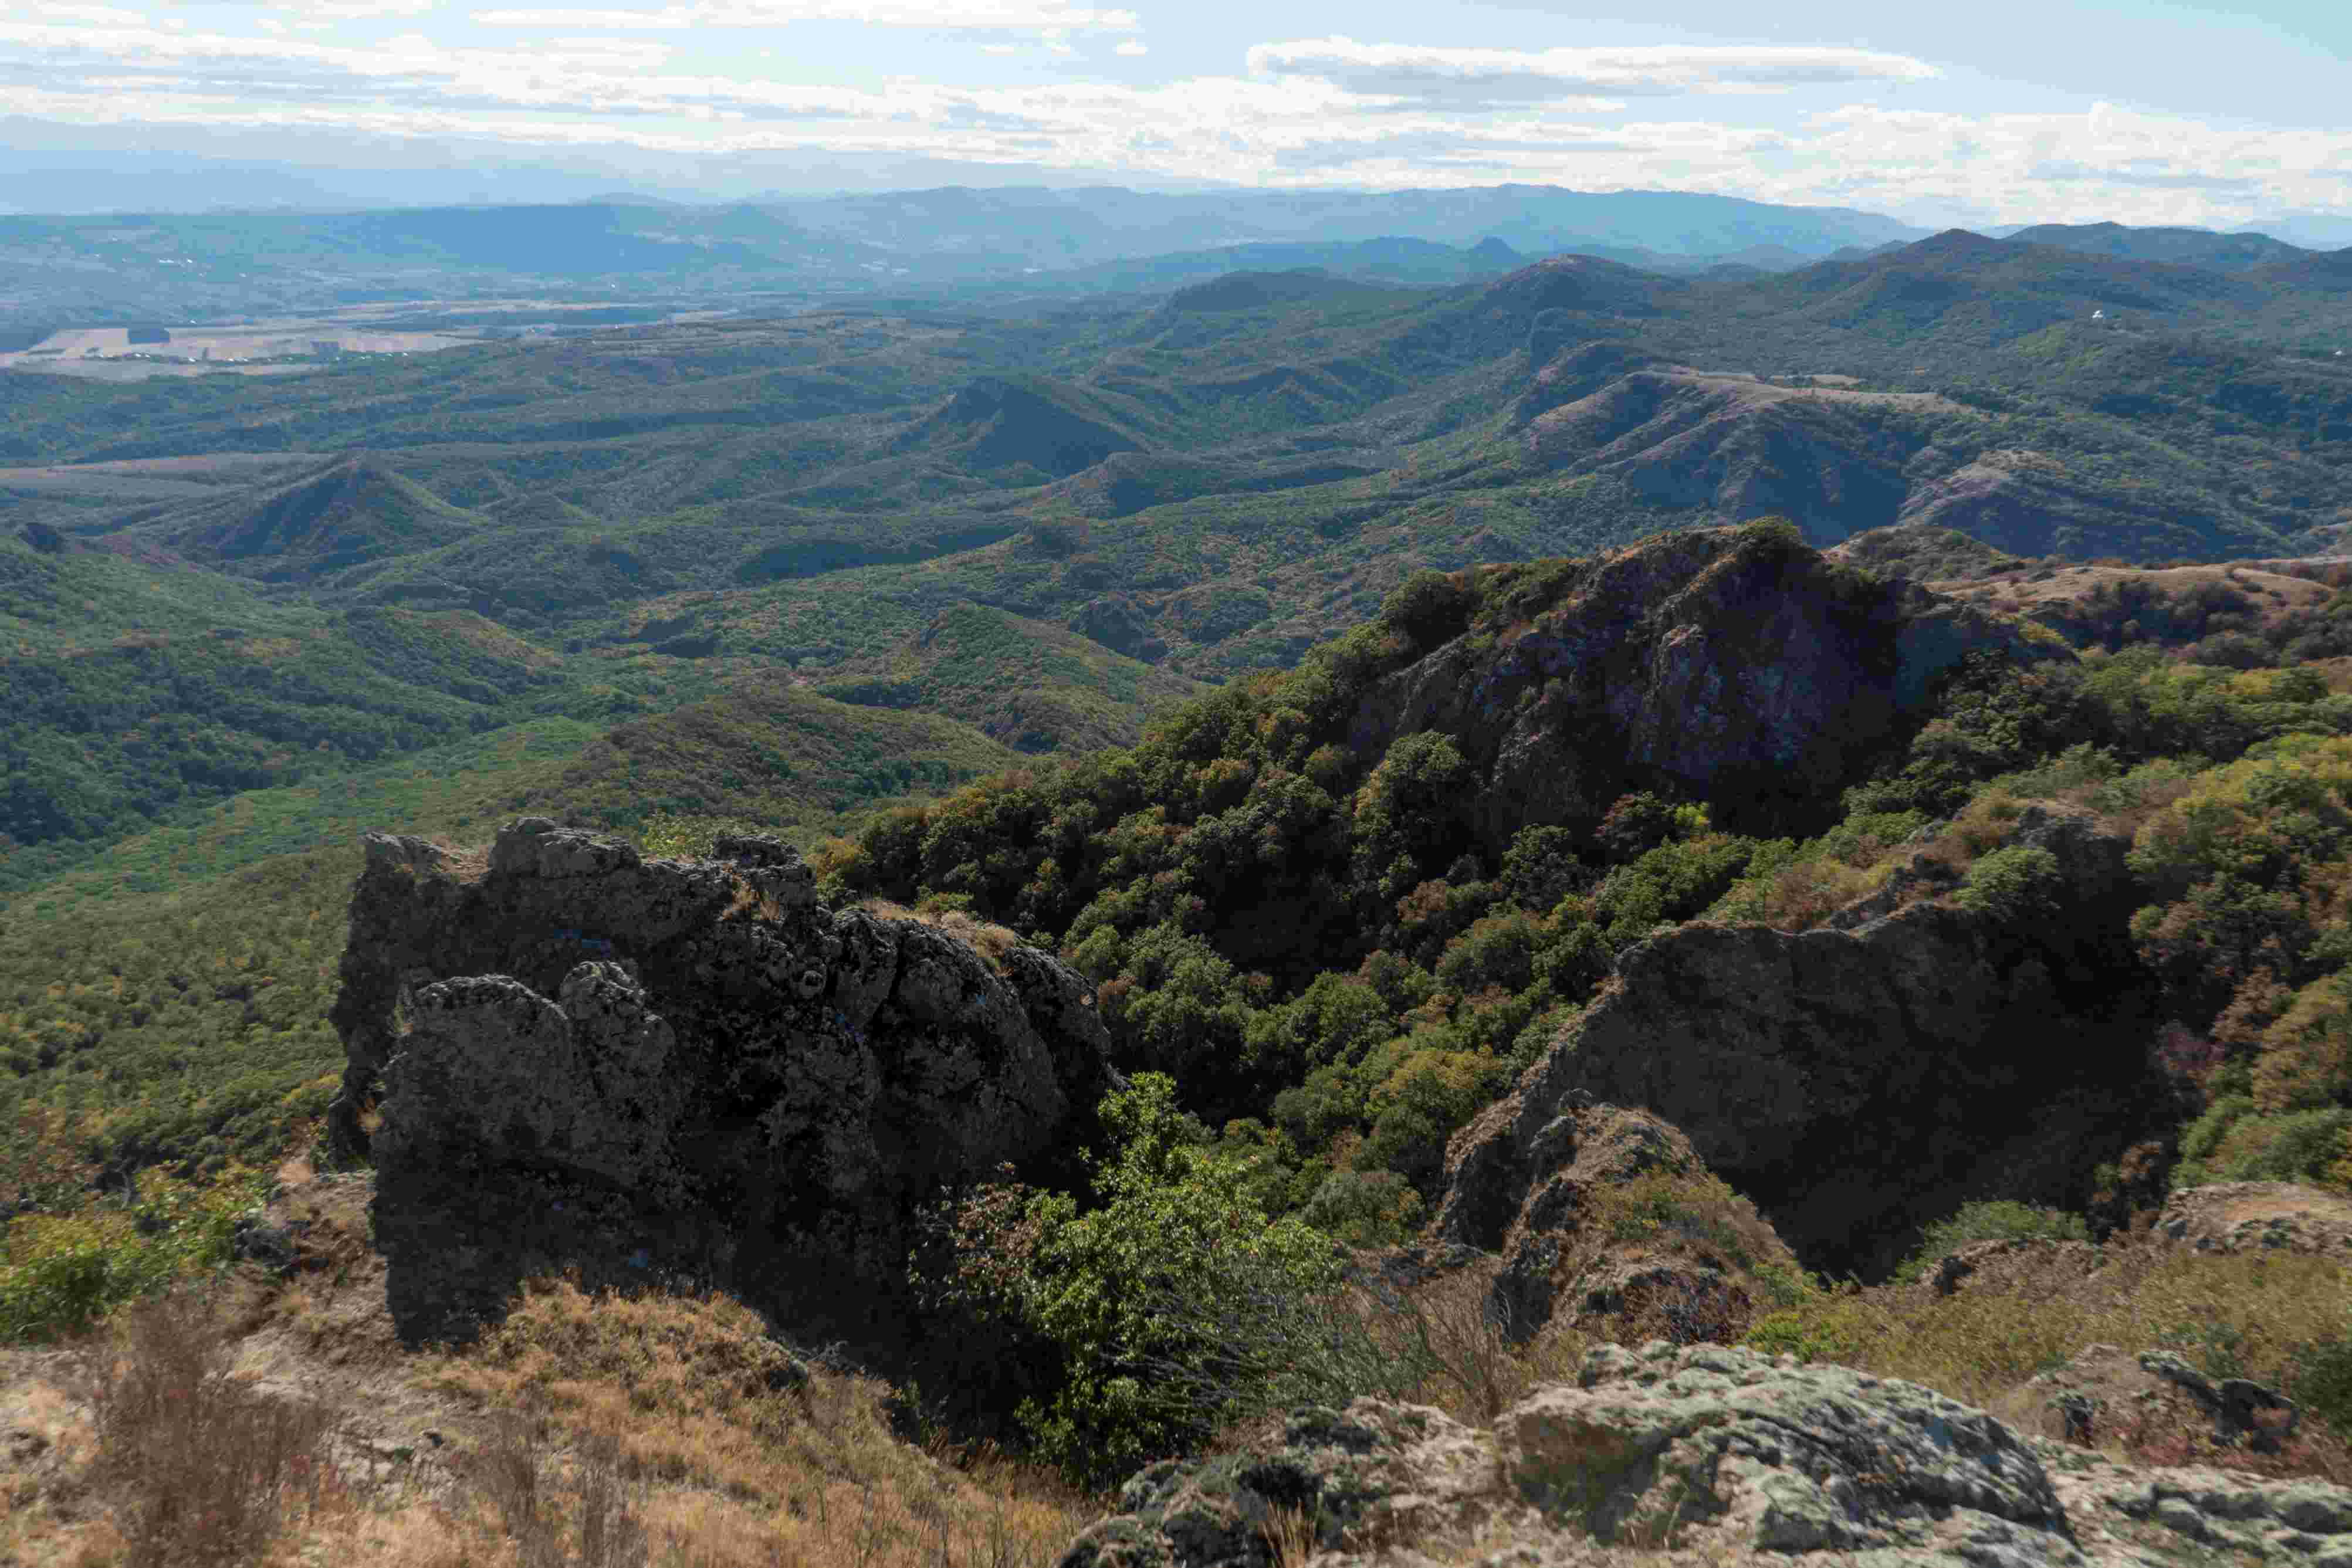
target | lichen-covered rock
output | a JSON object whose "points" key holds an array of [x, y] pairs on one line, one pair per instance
{"points": [[1707, 1449], [582, 1059], [2137, 1515], [1857, 1084]]}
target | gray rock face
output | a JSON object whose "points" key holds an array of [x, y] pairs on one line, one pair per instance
{"points": [[1854, 1083], [581, 1059], [1711, 662], [1706, 1454], [1705, 1449]]}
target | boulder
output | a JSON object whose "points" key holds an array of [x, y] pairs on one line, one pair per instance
{"points": [[1857, 1084], [2259, 1215], [579, 1059], [1690, 1264], [1717, 1450]]}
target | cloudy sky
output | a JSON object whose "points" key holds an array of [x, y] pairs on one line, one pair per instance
{"points": [[1983, 112]]}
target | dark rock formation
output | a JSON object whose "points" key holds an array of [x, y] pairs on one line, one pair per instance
{"points": [[1857, 1084], [1722, 664], [1554, 1264], [678, 1067]]}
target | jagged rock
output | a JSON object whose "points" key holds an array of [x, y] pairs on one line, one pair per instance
{"points": [[1707, 1449], [1533, 1209], [2258, 1216], [2010, 1265], [1715, 663], [582, 1059], [1854, 1082], [2241, 1410], [2130, 1514], [1857, 1084], [272, 1246], [2101, 1392]]}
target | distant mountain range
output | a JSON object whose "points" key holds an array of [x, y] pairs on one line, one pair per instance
{"points": [[998, 247]]}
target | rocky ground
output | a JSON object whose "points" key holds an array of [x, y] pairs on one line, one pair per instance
{"points": [[1701, 1454]]}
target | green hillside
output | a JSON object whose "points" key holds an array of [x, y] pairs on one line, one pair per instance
{"points": [[173, 991], [1026, 684]]}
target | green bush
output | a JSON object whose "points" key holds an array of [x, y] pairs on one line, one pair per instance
{"points": [[2018, 882], [1364, 1209], [2299, 1146], [1996, 1219], [2322, 1384], [60, 1273], [1430, 607], [1117, 1287]]}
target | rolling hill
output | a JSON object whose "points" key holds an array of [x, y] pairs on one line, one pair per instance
{"points": [[623, 522]]}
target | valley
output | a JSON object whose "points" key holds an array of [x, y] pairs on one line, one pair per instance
{"points": [[1621, 786]]}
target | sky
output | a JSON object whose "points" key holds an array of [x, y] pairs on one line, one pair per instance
{"points": [[1978, 112]]}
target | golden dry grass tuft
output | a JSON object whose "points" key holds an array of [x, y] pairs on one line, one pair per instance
{"points": [[991, 941], [2249, 1314], [204, 1468], [741, 1456], [655, 1431]]}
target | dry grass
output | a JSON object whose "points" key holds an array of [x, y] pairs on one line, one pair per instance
{"points": [[991, 941], [735, 1454], [207, 1469], [749, 903], [1801, 895], [586, 1432], [2239, 1314]]}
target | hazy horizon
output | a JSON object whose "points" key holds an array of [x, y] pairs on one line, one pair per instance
{"points": [[2148, 113]]}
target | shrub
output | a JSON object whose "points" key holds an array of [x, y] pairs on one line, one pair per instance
{"points": [[2299, 1146], [1420, 1104], [2305, 1061], [1637, 824], [209, 1463], [60, 1273], [1430, 608], [1364, 1209], [1117, 1288], [1993, 1219], [2019, 882]]}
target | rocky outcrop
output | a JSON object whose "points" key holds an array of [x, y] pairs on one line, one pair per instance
{"points": [[1713, 1454], [1730, 664], [1681, 1257], [1696, 1448], [579, 1058], [2258, 1216], [1857, 1084]]}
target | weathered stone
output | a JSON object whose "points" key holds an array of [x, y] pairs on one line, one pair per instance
{"points": [[2241, 1410], [1857, 1084], [1713, 662], [583, 1059], [1709, 1448]]}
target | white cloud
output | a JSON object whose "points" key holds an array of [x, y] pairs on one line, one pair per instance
{"points": [[960, 14], [1132, 48], [1468, 78], [90, 15], [1311, 114], [355, 10]]}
